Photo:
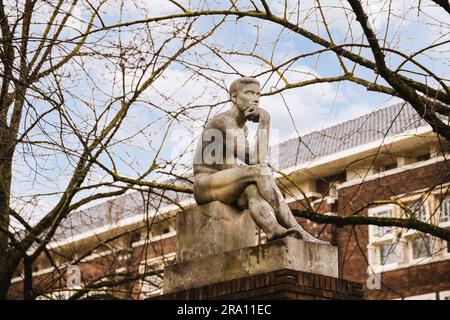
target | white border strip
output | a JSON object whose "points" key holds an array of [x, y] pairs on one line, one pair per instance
{"points": [[383, 174], [121, 223]]}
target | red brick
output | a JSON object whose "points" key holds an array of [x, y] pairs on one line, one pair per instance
{"points": [[317, 281], [322, 282], [286, 290], [310, 280], [333, 284], [327, 283]]}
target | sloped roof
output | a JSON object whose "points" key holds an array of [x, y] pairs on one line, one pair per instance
{"points": [[367, 128], [370, 127], [116, 209]]}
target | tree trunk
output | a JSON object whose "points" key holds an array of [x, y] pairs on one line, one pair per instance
{"points": [[28, 278], [5, 190], [8, 265]]}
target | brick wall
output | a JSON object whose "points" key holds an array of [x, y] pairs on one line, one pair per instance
{"points": [[352, 241], [95, 269], [281, 284]]}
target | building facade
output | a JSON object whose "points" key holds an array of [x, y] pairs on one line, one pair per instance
{"points": [[387, 163]]}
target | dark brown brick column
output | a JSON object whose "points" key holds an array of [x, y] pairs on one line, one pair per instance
{"points": [[281, 284]]}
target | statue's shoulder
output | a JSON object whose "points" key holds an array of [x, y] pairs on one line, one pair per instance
{"points": [[221, 121]]}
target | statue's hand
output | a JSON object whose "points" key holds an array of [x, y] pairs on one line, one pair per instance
{"points": [[256, 114]]}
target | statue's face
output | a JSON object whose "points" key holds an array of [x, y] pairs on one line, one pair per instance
{"points": [[247, 96]]}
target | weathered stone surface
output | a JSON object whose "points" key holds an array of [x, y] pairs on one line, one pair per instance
{"points": [[287, 253], [213, 228]]}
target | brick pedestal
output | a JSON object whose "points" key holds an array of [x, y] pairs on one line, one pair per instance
{"points": [[281, 284]]}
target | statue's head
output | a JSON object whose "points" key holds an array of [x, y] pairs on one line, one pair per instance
{"points": [[245, 92]]}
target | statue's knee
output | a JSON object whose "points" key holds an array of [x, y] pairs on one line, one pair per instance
{"points": [[201, 195], [260, 170]]}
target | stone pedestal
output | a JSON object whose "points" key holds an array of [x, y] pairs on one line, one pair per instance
{"points": [[213, 228], [288, 253], [217, 246]]}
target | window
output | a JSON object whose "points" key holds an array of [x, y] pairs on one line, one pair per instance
{"points": [[389, 166], [391, 248], [444, 295], [421, 247], [379, 231], [444, 214], [423, 157], [161, 228], [419, 210], [387, 254], [135, 236], [152, 285]]}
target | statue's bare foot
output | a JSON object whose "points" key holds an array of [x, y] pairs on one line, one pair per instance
{"points": [[307, 237], [281, 233]]}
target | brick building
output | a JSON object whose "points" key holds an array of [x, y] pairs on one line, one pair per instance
{"points": [[375, 165]]}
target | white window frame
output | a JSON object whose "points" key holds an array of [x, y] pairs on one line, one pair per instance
{"points": [[394, 251], [374, 212], [404, 251], [444, 294], [144, 285], [426, 205], [444, 224], [426, 296], [170, 234], [446, 245], [156, 263], [413, 260], [374, 255]]}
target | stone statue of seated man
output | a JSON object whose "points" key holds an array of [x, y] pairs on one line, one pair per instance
{"points": [[229, 170]]}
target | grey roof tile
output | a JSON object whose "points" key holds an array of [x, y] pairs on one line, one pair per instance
{"points": [[362, 130]]}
